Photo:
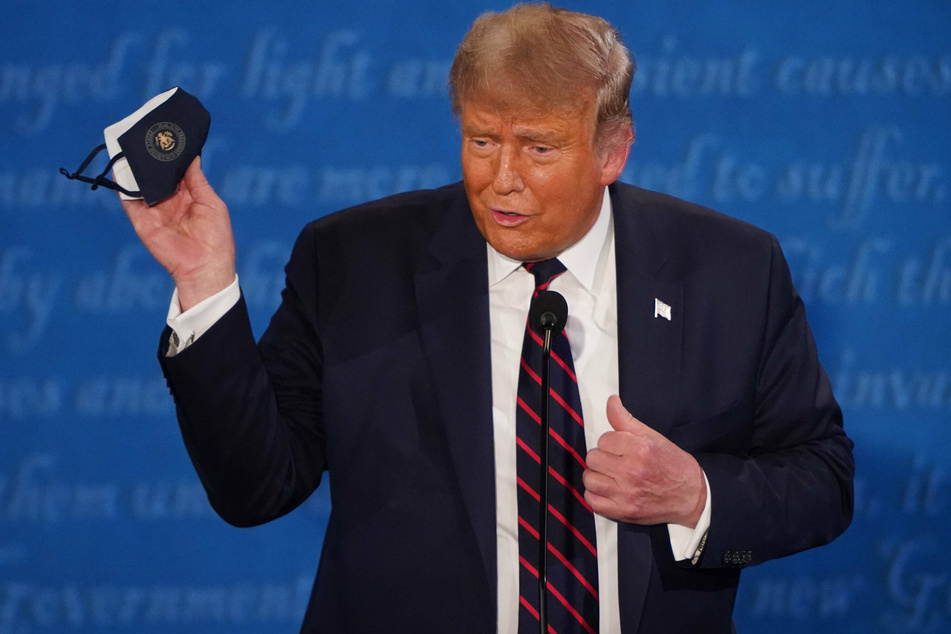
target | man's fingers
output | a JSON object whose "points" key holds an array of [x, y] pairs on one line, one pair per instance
{"points": [[599, 490], [599, 460], [601, 504], [597, 481]]}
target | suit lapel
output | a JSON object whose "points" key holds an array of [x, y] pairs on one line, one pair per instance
{"points": [[453, 298], [649, 357], [649, 346]]}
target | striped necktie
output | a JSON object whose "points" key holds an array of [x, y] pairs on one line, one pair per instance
{"points": [[572, 596]]}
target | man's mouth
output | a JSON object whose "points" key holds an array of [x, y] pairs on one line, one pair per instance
{"points": [[508, 218]]}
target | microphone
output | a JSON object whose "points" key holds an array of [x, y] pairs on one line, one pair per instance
{"points": [[549, 311], [547, 316]]}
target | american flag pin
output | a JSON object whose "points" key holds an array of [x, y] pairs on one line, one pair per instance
{"points": [[661, 309]]}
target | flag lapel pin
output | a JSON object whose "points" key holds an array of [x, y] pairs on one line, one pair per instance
{"points": [[661, 309]]}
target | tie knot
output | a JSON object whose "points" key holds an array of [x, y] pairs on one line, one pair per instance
{"points": [[545, 271]]}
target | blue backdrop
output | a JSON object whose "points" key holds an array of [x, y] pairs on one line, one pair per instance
{"points": [[826, 123]]}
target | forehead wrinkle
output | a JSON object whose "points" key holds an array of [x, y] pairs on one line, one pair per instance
{"points": [[523, 122]]}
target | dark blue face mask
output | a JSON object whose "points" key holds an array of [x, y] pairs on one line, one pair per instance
{"points": [[151, 149]]}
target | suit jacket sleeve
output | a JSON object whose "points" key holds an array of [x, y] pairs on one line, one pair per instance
{"points": [[249, 414], [791, 487]]}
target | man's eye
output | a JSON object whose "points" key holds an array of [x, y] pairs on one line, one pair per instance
{"points": [[542, 149]]}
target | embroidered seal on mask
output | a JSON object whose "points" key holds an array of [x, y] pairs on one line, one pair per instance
{"points": [[165, 141]]}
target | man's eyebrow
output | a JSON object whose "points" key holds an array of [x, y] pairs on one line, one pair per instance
{"points": [[474, 129], [549, 135]]}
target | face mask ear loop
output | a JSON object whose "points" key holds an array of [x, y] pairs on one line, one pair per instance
{"points": [[101, 179], [77, 175]]}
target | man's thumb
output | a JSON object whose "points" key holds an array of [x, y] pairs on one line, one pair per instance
{"points": [[619, 417], [193, 175]]}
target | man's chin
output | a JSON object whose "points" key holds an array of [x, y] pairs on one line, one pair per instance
{"points": [[522, 252]]}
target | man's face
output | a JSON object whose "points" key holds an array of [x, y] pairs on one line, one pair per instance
{"points": [[534, 180]]}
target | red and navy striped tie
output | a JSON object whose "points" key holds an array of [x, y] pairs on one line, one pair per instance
{"points": [[572, 556]]}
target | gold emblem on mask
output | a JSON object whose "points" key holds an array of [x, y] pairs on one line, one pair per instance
{"points": [[165, 141]]}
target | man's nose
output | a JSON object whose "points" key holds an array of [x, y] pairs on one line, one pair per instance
{"points": [[508, 177]]}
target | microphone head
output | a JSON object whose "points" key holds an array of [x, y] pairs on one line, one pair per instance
{"points": [[549, 311]]}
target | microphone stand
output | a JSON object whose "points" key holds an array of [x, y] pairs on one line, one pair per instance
{"points": [[543, 488], [550, 312]]}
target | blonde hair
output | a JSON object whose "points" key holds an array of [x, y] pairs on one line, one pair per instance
{"points": [[536, 55]]}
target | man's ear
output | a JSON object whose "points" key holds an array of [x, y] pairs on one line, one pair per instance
{"points": [[615, 150]]}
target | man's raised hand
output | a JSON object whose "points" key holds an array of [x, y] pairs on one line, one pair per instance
{"points": [[190, 235]]}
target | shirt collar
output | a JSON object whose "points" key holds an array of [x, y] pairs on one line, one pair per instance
{"points": [[581, 259]]}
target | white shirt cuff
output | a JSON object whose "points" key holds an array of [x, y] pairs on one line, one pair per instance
{"points": [[188, 326], [686, 542]]}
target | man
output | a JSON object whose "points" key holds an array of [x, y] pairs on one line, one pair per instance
{"points": [[393, 360]]}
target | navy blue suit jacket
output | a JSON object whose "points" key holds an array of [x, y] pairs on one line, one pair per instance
{"points": [[376, 369]]}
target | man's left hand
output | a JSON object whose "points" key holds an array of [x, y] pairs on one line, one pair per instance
{"points": [[636, 475]]}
